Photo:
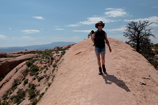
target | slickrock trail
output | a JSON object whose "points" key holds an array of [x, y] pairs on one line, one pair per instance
{"points": [[131, 79]]}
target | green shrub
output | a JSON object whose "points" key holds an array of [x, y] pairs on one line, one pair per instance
{"points": [[49, 84], [29, 63], [40, 78], [156, 50], [63, 52], [32, 86], [34, 68], [53, 78], [5, 96], [14, 85], [25, 82], [19, 97], [54, 65], [155, 63], [46, 89], [41, 95], [34, 101], [4, 103], [31, 93]]}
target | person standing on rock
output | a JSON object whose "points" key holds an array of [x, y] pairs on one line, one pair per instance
{"points": [[99, 38]]}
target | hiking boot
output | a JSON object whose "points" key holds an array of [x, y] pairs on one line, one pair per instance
{"points": [[104, 69], [100, 71]]}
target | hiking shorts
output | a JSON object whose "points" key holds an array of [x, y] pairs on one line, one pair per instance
{"points": [[98, 50]]}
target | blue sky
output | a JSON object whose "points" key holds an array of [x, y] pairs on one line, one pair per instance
{"points": [[35, 22]]}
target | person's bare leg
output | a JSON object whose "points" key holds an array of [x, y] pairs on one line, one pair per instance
{"points": [[103, 62], [98, 59], [103, 58], [99, 64]]}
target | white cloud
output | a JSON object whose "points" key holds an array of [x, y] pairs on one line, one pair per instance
{"points": [[30, 31], [59, 29], [93, 20], [38, 17], [151, 19], [2, 36], [115, 12], [154, 25], [122, 29], [73, 25], [86, 31]]}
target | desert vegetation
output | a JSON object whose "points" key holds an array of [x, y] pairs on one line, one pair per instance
{"points": [[37, 78], [138, 36]]}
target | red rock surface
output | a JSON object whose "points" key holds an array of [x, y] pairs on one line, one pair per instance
{"points": [[10, 63], [2, 54], [131, 79], [16, 74]]}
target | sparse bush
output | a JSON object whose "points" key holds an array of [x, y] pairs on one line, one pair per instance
{"points": [[25, 82], [155, 63], [29, 63], [34, 101], [63, 52], [19, 97], [156, 51], [49, 84], [32, 86], [34, 68], [44, 72], [14, 86], [4, 103], [54, 65], [41, 95], [53, 77], [40, 78], [46, 89], [53, 70], [5, 96], [31, 93]]}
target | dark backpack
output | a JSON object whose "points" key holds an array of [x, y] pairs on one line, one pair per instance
{"points": [[99, 40]]}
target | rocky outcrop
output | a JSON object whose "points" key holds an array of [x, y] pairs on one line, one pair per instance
{"points": [[63, 47], [22, 52], [2, 54], [7, 64], [131, 79], [15, 75]]}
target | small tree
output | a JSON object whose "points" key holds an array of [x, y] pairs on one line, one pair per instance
{"points": [[137, 33]]}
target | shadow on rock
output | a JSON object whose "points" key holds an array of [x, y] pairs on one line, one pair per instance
{"points": [[112, 79]]}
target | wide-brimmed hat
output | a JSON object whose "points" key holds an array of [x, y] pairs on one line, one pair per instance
{"points": [[100, 22]]}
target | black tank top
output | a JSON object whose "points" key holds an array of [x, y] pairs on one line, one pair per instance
{"points": [[99, 40]]}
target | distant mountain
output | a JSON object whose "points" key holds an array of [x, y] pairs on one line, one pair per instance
{"points": [[34, 47]]}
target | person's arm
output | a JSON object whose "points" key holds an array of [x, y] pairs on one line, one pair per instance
{"points": [[92, 37], [107, 42]]}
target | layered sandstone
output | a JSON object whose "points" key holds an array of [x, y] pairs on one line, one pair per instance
{"points": [[7, 64]]}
